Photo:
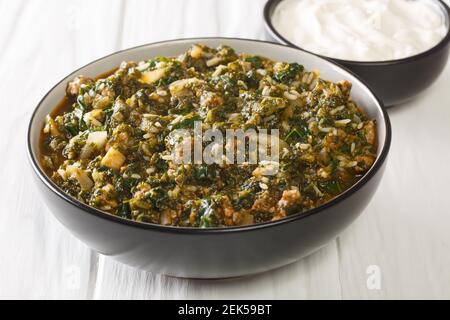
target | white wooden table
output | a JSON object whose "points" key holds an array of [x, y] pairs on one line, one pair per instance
{"points": [[404, 233]]}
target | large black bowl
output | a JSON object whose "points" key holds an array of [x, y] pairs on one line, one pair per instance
{"points": [[394, 81], [221, 252]]}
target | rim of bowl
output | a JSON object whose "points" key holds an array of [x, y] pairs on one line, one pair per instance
{"points": [[385, 147], [270, 6]]}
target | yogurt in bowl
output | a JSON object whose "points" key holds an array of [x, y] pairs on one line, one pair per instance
{"points": [[369, 30], [399, 47]]}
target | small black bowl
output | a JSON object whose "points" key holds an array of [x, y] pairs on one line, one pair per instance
{"points": [[394, 81], [217, 252]]}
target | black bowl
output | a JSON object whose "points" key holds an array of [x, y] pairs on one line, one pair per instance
{"points": [[394, 81], [219, 252]]}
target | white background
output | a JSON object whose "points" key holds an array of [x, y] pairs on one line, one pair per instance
{"points": [[405, 231]]}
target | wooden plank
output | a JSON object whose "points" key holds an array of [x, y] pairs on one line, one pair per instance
{"points": [[315, 277], [43, 41], [404, 230], [152, 21]]}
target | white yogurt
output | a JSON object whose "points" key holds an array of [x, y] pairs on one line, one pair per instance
{"points": [[361, 30]]}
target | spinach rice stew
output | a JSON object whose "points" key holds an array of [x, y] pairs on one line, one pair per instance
{"points": [[107, 143]]}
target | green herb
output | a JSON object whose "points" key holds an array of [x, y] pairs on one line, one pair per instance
{"points": [[292, 134], [205, 212], [125, 210], [186, 123], [255, 61], [202, 174], [296, 134], [288, 72], [158, 197], [333, 187], [71, 124]]}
